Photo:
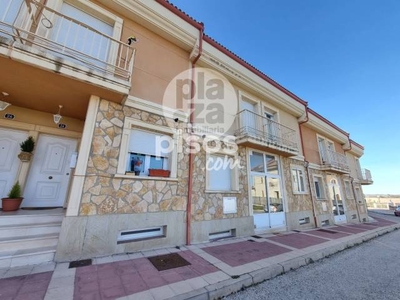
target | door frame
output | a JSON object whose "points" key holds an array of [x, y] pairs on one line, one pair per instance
{"points": [[280, 177], [19, 169], [71, 172], [339, 218]]}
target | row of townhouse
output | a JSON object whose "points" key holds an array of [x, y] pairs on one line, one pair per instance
{"points": [[109, 70]]}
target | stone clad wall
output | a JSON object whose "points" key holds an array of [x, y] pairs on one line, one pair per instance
{"points": [[296, 202], [103, 193], [209, 206], [350, 203], [321, 204]]}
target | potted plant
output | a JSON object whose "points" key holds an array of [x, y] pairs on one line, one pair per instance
{"points": [[159, 172], [14, 199], [27, 147]]}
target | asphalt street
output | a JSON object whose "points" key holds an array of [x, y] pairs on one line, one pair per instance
{"points": [[367, 271]]}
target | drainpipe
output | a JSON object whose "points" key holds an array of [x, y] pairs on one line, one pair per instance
{"points": [[306, 164], [190, 175]]}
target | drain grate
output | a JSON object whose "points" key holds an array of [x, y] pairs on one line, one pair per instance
{"points": [[80, 263], [327, 231], [256, 236], [168, 261]]}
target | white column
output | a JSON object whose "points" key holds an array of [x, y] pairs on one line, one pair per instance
{"points": [[83, 157]]}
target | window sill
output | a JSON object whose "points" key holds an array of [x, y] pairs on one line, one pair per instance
{"points": [[134, 177], [221, 192], [300, 193], [322, 199]]}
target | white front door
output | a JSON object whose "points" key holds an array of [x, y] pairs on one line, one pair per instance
{"points": [[9, 161], [337, 202], [48, 179], [266, 191]]}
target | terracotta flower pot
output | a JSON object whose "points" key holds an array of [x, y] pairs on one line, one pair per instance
{"points": [[11, 204], [25, 156], [159, 172]]}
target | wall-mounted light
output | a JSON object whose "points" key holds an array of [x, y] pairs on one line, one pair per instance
{"points": [[4, 104], [132, 39], [57, 118]]}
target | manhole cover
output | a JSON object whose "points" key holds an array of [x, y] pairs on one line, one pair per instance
{"points": [[327, 231], [80, 263], [168, 261]]}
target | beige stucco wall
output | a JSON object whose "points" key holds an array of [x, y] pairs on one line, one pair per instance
{"points": [[311, 152], [35, 117], [157, 62], [311, 144], [351, 160]]}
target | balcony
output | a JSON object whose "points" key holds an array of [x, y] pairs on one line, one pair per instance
{"points": [[365, 177], [335, 162], [259, 132], [35, 34]]}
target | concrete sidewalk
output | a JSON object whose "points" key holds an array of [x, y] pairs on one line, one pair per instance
{"points": [[387, 212], [214, 269]]}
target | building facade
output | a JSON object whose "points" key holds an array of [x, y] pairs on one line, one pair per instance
{"points": [[136, 158]]}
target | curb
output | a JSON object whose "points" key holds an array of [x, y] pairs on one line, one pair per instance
{"points": [[229, 286]]}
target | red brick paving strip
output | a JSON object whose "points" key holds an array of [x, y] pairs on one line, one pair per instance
{"points": [[297, 240], [349, 229], [236, 254], [328, 235], [118, 279], [28, 287]]}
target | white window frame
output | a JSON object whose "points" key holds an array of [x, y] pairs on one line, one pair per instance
{"points": [[98, 12], [325, 145], [244, 97], [94, 10], [347, 189], [322, 190], [296, 183], [131, 124], [234, 174]]}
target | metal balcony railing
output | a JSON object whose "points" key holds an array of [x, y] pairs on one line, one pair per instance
{"points": [[335, 160], [32, 24], [252, 125], [366, 175]]}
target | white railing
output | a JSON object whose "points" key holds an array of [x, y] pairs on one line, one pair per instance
{"points": [[366, 175], [250, 124], [336, 160], [35, 25]]}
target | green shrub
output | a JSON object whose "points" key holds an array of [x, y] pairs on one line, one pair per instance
{"points": [[28, 145], [15, 191]]}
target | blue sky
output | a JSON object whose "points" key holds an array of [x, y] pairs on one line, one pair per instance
{"points": [[343, 57]]}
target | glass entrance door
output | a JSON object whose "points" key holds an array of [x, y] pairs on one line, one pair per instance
{"points": [[338, 208], [266, 191]]}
